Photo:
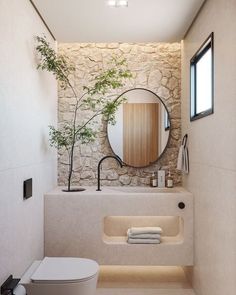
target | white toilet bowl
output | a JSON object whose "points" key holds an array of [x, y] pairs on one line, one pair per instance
{"points": [[61, 276]]}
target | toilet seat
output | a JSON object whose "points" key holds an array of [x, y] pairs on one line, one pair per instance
{"points": [[64, 270]]}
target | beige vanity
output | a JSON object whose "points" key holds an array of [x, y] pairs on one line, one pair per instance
{"points": [[94, 224]]}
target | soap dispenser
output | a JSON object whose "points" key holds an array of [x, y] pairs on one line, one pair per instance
{"points": [[153, 180], [169, 180]]}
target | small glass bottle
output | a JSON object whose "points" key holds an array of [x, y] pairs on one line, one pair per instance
{"points": [[153, 180], [169, 180]]}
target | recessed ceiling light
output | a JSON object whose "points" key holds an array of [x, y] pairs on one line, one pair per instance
{"points": [[111, 3], [122, 3], [117, 3]]}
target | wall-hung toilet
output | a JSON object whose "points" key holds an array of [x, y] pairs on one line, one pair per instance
{"points": [[61, 276]]}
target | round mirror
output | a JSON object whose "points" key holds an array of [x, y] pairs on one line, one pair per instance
{"points": [[142, 128]]}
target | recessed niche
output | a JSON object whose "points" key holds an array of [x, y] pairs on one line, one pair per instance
{"points": [[115, 227]]}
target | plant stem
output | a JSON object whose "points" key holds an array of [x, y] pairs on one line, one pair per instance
{"points": [[73, 132], [71, 160], [70, 167], [71, 154], [99, 112]]}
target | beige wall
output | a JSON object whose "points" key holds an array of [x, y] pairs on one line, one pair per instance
{"points": [[28, 104], [155, 66], [212, 148]]}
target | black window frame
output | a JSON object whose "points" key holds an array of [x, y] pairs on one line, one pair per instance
{"points": [[207, 44]]}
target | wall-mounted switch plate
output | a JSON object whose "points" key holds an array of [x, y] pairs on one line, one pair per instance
{"points": [[27, 188]]}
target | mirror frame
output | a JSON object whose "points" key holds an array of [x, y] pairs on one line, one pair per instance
{"points": [[170, 127]]}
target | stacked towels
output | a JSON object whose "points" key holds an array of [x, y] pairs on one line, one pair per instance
{"points": [[144, 235]]}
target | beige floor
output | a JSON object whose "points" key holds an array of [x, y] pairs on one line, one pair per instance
{"points": [[140, 280]]}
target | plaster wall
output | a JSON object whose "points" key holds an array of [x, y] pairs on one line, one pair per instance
{"points": [[28, 104], [212, 146]]}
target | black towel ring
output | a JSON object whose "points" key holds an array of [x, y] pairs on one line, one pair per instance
{"points": [[185, 140]]}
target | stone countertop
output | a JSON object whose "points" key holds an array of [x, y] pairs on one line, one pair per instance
{"points": [[120, 190]]}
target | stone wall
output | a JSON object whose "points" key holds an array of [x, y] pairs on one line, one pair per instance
{"points": [[155, 66]]}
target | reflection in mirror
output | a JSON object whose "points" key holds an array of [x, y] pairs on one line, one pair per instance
{"points": [[141, 132], [166, 120]]}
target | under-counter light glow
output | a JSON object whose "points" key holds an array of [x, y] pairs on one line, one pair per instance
{"points": [[117, 3]]}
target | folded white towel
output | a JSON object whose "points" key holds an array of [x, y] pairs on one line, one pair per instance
{"points": [[143, 241], [186, 161], [145, 236], [144, 230], [180, 158]]}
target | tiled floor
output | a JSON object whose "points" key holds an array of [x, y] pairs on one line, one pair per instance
{"points": [[143, 280]]}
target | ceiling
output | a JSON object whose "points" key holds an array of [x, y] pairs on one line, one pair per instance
{"points": [[142, 21]]}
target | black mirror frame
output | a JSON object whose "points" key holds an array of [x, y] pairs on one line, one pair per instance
{"points": [[169, 127]]}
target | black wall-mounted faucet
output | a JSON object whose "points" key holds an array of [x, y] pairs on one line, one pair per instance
{"points": [[117, 158]]}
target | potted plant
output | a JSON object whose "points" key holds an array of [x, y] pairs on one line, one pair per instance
{"points": [[93, 99]]}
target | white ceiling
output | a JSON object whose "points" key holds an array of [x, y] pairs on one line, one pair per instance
{"points": [[142, 21]]}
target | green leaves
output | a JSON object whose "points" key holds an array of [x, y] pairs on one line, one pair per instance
{"points": [[112, 78], [63, 137], [58, 65], [86, 135], [110, 109], [94, 99]]}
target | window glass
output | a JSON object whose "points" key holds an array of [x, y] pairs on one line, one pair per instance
{"points": [[202, 81]]}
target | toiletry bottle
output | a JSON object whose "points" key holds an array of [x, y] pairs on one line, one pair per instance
{"points": [[169, 180], [161, 178], [153, 181]]}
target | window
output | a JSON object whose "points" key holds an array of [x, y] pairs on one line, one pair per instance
{"points": [[202, 78]]}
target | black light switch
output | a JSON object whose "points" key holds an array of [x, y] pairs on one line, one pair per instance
{"points": [[28, 184]]}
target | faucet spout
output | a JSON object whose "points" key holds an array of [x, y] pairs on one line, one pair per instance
{"points": [[117, 158]]}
